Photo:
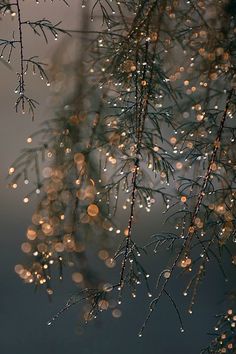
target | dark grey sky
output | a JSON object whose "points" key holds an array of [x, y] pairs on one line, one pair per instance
{"points": [[23, 313]]}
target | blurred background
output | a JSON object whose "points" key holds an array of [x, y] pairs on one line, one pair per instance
{"points": [[23, 312]]}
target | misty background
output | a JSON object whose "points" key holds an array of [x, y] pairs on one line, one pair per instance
{"points": [[23, 312]]}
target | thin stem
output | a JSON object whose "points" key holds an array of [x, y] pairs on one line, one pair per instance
{"points": [[209, 170], [21, 81], [141, 114], [189, 236]]}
